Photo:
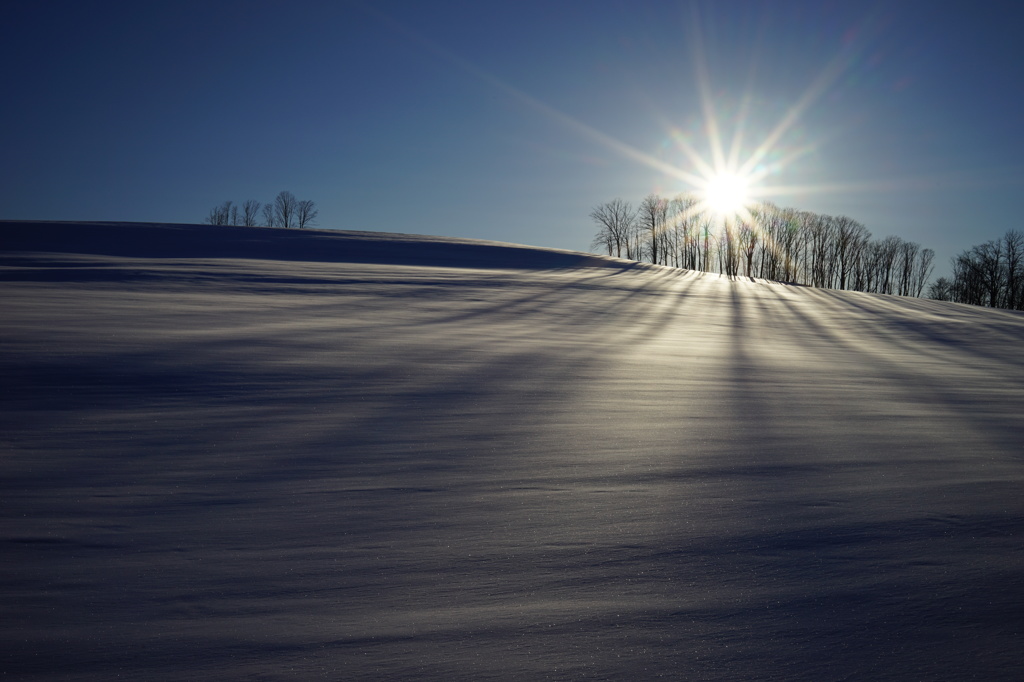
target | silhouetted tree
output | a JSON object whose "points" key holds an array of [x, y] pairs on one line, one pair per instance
{"points": [[769, 219], [684, 220], [652, 215], [781, 244], [923, 271], [250, 212], [941, 290], [306, 212], [988, 259], [820, 245], [850, 238], [728, 249], [907, 261], [748, 236], [284, 211], [286, 208], [220, 215], [615, 221], [269, 215], [1013, 252], [988, 274]]}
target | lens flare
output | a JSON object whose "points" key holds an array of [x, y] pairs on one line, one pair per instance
{"points": [[727, 194]]}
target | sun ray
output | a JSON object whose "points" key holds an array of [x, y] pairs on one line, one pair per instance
{"points": [[537, 105], [703, 167], [747, 100], [839, 64], [723, 163], [704, 87]]}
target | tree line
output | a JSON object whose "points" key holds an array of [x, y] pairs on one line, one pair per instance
{"points": [[989, 274], [284, 211], [780, 244]]}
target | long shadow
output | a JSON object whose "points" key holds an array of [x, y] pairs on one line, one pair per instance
{"points": [[830, 577], [138, 461], [960, 406], [889, 316], [172, 241], [266, 511]]}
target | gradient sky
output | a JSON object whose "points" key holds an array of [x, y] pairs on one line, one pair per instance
{"points": [[512, 120]]}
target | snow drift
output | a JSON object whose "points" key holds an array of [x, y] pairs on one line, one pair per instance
{"points": [[259, 453]]}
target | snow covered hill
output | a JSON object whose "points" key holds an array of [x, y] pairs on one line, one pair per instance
{"points": [[256, 453]]}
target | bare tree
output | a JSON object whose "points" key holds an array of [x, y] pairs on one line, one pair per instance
{"points": [[284, 211], [989, 257], [652, 216], [286, 208], [851, 237], [922, 271], [907, 260], [1013, 253], [782, 244], [615, 223], [749, 235], [269, 215], [684, 221], [250, 212], [305, 213], [941, 290], [769, 220], [221, 215], [987, 274], [603, 240], [791, 244], [888, 253]]}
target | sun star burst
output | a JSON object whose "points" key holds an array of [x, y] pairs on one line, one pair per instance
{"points": [[727, 193]]}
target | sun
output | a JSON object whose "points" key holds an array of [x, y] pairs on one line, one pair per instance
{"points": [[727, 194]]}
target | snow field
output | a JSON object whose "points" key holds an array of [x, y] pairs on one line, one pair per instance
{"points": [[357, 456]]}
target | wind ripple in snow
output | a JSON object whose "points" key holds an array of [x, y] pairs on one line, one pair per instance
{"points": [[277, 461]]}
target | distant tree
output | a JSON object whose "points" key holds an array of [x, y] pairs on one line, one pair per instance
{"points": [[213, 218], [220, 215], [967, 279], [987, 274], [305, 213], [1013, 253], [922, 271], [250, 212], [684, 220], [780, 244], [652, 215], [615, 221], [907, 263], [941, 290], [286, 208], [770, 222], [603, 240], [819, 236], [284, 211], [269, 215], [790, 244], [988, 261], [748, 235], [890, 249], [851, 237]]}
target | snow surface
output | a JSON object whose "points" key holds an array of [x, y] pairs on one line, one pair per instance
{"points": [[269, 454]]}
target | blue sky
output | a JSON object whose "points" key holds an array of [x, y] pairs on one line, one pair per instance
{"points": [[512, 120]]}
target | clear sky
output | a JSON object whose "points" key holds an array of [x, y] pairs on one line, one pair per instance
{"points": [[512, 120]]}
